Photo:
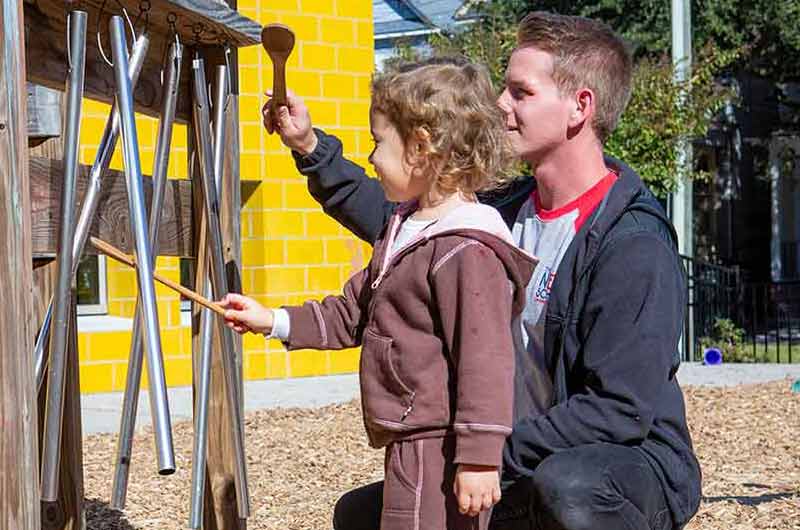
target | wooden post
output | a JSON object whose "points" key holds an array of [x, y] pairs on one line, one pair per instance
{"points": [[19, 492], [67, 513], [219, 510]]}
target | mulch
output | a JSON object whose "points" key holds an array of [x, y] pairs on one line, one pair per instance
{"points": [[299, 461]]}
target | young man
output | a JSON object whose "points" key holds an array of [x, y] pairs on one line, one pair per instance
{"points": [[600, 438]]}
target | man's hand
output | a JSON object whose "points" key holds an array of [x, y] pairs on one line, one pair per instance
{"points": [[292, 122], [244, 314], [477, 488]]}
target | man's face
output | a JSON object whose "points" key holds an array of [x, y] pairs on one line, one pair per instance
{"points": [[537, 115]]}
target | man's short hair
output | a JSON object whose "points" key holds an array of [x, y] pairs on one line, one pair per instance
{"points": [[586, 53]]}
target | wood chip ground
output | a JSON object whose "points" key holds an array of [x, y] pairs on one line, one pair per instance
{"points": [[299, 461]]}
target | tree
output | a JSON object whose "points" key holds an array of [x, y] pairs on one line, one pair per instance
{"points": [[767, 30], [661, 114]]}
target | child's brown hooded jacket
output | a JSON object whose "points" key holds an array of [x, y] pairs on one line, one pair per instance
{"points": [[434, 322]]}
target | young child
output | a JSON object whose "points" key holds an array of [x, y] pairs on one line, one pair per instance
{"points": [[433, 309]]}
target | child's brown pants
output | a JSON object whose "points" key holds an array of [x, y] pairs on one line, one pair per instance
{"points": [[418, 489]]}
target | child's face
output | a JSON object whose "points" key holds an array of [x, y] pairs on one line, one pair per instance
{"points": [[390, 162]]}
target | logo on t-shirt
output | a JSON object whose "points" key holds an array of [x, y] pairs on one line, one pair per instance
{"points": [[544, 285]]}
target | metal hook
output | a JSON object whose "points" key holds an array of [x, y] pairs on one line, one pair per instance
{"points": [[198, 29], [144, 11], [171, 20], [97, 28], [228, 78]]}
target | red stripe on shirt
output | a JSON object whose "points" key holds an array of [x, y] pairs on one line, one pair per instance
{"points": [[585, 203]]}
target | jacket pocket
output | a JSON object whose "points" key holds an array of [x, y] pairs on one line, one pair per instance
{"points": [[387, 399]]}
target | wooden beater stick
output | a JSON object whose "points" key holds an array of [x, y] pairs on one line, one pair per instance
{"points": [[120, 256]]}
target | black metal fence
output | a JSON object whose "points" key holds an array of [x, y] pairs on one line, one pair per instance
{"points": [[764, 315]]}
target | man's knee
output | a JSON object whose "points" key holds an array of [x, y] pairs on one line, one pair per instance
{"points": [[359, 509], [565, 493]]}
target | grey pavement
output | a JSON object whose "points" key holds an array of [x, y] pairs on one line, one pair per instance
{"points": [[101, 412], [696, 374]]}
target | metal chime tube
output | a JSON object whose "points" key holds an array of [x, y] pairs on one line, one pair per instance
{"points": [[207, 319], [91, 199], [51, 450], [218, 282], [130, 402], [159, 407]]}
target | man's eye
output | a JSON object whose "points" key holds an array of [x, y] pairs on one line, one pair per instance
{"points": [[518, 93]]}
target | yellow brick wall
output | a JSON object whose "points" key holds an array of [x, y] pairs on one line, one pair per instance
{"points": [[291, 251]]}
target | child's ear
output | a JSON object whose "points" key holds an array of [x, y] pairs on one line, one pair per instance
{"points": [[420, 141]]}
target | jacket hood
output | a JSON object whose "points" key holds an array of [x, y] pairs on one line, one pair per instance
{"points": [[628, 194], [482, 223]]}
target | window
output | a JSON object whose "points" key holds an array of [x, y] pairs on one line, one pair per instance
{"points": [[91, 286], [187, 280]]}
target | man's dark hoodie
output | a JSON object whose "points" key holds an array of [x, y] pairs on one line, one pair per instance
{"points": [[612, 326]]}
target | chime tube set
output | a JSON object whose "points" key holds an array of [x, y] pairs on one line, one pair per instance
{"points": [[159, 408], [200, 445], [130, 404], [62, 303], [90, 202], [218, 282]]}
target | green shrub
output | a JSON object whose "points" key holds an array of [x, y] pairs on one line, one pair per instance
{"points": [[729, 339]]}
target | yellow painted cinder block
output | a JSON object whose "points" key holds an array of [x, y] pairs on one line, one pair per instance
{"points": [[304, 252], [256, 366], [352, 9], [320, 224], [291, 250], [318, 57], [306, 27], [321, 7], [253, 342], [285, 279], [366, 33], [305, 84], [352, 114], [344, 361], [351, 59], [339, 31], [302, 363], [119, 377], [277, 364], [324, 113], [342, 251], [363, 86], [178, 372], [109, 346], [297, 197], [250, 80], [338, 86], [96, 377], [324, 279], [284, 224]]}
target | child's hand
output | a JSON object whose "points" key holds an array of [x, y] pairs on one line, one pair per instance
{"points": [[477, 488], [292, 122], [245, 314]]}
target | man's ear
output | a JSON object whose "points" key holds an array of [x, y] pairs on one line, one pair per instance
{"points": [[584, 108]]}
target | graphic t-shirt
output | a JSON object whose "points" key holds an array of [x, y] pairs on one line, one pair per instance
{"points": [[545, 234]]}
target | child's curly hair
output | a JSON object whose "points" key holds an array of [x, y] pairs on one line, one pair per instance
{"points": [[449, 106]]}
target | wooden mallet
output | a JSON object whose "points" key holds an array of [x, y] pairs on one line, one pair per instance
{"points": [[278, 41], [113, 252]]}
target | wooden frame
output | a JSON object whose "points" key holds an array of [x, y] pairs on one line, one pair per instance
{"points": [[29, 218]]}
